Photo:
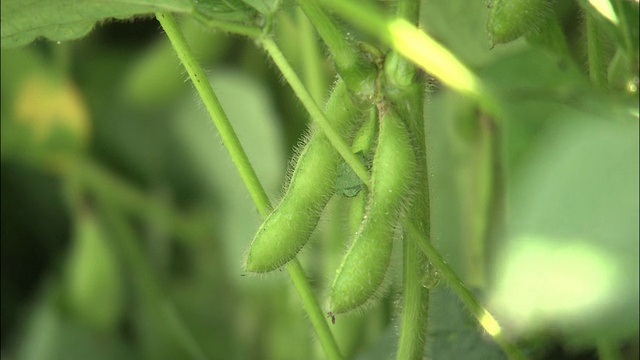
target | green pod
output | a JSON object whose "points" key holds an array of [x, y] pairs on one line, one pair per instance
{"points": [[364, 267], [510, 19], [289, 227]]}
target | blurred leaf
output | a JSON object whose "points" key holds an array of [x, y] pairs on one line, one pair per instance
{"points": [[199, 149], [49, 335], [94, 284], [453, 333], [532, 86], [347, 182], [45, 119], [460, 25], [570, 260], [264, 6], [226, 10], [156, 78], [59, 20], [621, 26]]}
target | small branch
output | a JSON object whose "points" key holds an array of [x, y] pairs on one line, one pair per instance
{"points": [[595, 45], [249, 177], [416, 46], [218, 116], [314, 110]]}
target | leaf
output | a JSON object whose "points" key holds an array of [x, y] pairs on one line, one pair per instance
{"points": [[226, 10], [570, 259], [198, 152], [347, 182], [45, 120], [94, 284], [48, 334], [264, 6], [453, 334], [23, 21]]}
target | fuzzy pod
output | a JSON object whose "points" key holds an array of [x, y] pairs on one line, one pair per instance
{"points": [[364, 267], [289, 227], [510, 19]]}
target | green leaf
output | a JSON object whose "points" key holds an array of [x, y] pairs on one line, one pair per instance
{"points": [[94, 284], [47, 333], [45, 120], [264, 6], [227, 10], [570, 260], [347, 182], [453, 334], [59, 20]]}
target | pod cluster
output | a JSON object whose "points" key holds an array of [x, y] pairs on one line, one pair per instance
{"points": [[374, 213]]}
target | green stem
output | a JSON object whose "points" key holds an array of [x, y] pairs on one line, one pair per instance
{"points": [[415, 303], [312, 65], [486, 320], [312, 107], [407, 94], [626, 35], [416, 46], [357, 73], [147, 282], [218, 116], [595, 45], [249, 177], [311, 305], [434, 58], [99, 180], [608, 350]]}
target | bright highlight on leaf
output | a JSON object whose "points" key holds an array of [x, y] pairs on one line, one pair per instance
{"points": [[490, 324], [605, 9], [559, 281], [45, 103], [432, 57]]}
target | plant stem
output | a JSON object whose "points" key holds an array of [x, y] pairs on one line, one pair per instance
{"points": [[434, 58], [314, 110], [415, 45], [218, 116], [608, 350], [486, 320], [357, 73], [311, 55], [249, 177], [144, 276], [98, 180], [623, 25], [407, 94], [310, 304], [595, 45]]}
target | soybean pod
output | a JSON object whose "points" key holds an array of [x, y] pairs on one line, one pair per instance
{"points": [[312, 183], [364, 267]]}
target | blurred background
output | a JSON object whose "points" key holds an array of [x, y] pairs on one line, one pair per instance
{"points": [[124, 223]]}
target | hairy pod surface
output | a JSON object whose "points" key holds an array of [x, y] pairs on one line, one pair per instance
{"points": [[510, 19], [364, 267], [289, 227]]}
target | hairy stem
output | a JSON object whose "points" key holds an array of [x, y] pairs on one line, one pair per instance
{"points": [[406, 92], [486, 320], [350, 64], [249, 177], [312, 107], [311, 59], [595, 45], [416, 46]]}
